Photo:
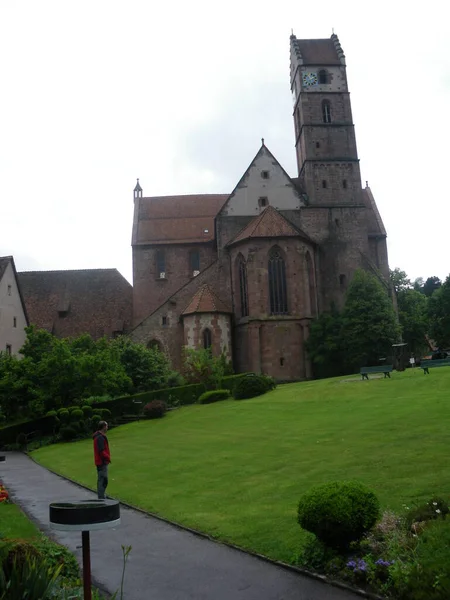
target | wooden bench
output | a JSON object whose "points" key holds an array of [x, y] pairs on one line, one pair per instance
{"points": [[439, 362], [386, 369]]}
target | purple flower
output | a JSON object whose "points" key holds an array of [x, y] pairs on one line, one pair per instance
{"points": [[351, 564], [362, 565], [383, 563]]}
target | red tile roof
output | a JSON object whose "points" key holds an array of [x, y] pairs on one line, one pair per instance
{"points": [[70, 303], [205, 301], [270, 223], [177, 219]]}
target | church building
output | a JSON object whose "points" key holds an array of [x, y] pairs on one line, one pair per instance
{"points": [[245, 273]]}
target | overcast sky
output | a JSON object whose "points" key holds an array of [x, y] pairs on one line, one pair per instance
{"points": [[96, 93]]}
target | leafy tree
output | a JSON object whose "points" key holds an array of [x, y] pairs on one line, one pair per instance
{"points": [[413, 317], [147, 368], [439, 313], [431, 285], [324, 345], [200, 366], [399, 280], [369, 322]]}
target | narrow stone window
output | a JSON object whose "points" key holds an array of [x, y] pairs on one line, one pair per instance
{"points": [[9, 290], [263, 201], [277, 283], [336, 222], [281, 362], [8, 349], [324, 183], [15, 322], [207, 339], [342, 280], [317, 144], [344, 184], [165, 321], [243, 290], [323, 76], [265, 174], [311, 284], [326, 111], [195, 262], [161, 264]]}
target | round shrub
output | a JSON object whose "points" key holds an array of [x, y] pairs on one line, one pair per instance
{"points": [[251, 386], [63, 415], [338, 513], [155, 409], [213, 396], [105, 413], [87, 410], [72, 408], [76, 415], [51, 413], [68, 432], [95, 420]]}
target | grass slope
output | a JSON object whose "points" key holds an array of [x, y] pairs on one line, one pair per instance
{"points": [[236, 469], [15, 525]]}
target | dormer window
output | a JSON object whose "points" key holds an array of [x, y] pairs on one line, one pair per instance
{"points": [[265, 174], [263, 201], [205, 231]]}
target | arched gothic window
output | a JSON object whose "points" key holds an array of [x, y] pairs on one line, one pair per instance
{"points": [[155, 345], [311, 284], [207, 339], [277, 283], [323, 76], [243, 290], [326, 111]]}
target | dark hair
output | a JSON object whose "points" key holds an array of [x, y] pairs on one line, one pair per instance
{"points": [[101, 425]]}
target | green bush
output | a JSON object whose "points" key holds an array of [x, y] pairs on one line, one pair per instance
{"points": [[251, 386], [338, 513], [51, 413], [436, 508], [105, 413], [87, 410], [72, 408], [76, 415], [96, 418], [429, 578], [213, 396], [228, 382], [63, 415], [155, 409], [21, 439], [68, 432]]}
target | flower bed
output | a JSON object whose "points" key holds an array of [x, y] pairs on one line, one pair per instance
{"points": [[4, 496]]}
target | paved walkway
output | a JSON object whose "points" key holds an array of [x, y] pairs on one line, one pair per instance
{"points": [[166, 563]]}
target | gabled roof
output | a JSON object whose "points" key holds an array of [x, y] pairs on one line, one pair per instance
{"points": [[205, 301], [269, 224], [70, 303], [176, 219], [264, 150], [4, 262]]}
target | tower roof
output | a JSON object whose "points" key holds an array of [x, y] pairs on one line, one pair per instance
{"points": [[327, 51], [269, 224], [138, 186], [205, 301]]}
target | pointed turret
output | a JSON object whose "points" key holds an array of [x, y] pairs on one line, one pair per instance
{"points": [[137, 190]]}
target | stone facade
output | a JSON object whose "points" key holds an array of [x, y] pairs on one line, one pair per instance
{"points": [[274, 253]]}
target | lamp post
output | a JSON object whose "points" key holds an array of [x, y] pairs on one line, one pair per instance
{"points": [[85, 516]]}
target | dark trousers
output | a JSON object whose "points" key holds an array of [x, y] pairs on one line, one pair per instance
{"points": [[102, 481]]}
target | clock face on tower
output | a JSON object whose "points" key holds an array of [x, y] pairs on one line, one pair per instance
{"points": [[309, 79]]}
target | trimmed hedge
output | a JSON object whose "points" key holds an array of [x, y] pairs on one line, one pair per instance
{"points": [[230, 381], [45, 425], [251, 386], [213, 396], [133, 405]]}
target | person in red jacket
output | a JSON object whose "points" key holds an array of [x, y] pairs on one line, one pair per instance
{"points": [[102, 458]]}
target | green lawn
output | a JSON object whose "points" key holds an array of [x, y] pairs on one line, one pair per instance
{"points": [[236, 469], [14, 524]]}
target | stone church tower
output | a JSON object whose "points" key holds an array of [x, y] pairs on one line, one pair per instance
{"points": [[245, 273]]}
